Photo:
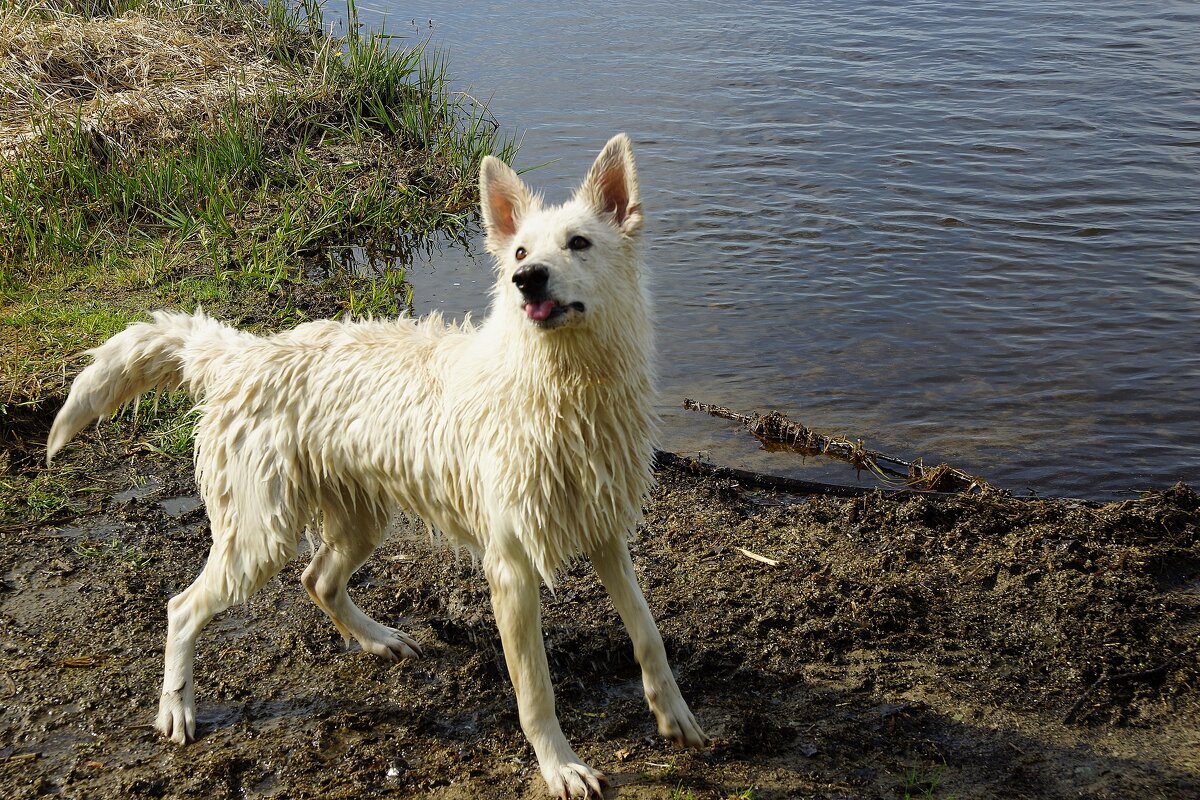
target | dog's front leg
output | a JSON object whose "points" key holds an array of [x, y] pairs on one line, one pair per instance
{"points": [[675, 720], [514, 584]]}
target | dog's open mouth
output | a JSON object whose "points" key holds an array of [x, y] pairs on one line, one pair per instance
{"points": [[548, 311]]}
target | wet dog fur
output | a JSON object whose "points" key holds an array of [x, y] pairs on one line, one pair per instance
{"points": [[527, 438]]}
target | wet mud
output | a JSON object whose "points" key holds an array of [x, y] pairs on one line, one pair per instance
{"points": [[899, 646]]}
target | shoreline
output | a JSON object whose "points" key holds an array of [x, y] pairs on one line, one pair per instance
{"points": [[879, 645]]}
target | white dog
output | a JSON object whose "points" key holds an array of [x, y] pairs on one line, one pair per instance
{"points": [[527, 438]]}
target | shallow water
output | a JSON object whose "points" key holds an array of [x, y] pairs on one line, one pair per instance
{"points": [[960, 231]]}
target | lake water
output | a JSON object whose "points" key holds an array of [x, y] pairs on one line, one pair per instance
{"points": [[962, 231]]}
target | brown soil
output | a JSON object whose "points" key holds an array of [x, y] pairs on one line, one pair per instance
{"points": [[914, 645]]}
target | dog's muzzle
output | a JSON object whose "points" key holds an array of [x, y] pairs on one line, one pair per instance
{"points": [[539, 306]]}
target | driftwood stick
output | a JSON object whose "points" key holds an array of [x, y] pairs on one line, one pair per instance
{"points": [[777, 429]]}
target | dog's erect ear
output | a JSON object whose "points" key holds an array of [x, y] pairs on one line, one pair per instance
{"points": [[504, 198], [611, 186]]}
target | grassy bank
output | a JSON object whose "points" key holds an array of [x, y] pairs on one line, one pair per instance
{"points": [[224, 153], [227, 153]]}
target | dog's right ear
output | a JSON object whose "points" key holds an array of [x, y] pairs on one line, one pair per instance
{"points": [[504, 199]]}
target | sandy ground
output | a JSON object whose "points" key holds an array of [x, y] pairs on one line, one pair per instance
{"points": [[928, 647]]}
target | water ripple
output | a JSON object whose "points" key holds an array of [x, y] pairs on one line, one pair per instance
{"points": [[963, 230]]}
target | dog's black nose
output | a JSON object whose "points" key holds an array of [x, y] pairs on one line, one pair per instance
{"points": [[532, 280]]}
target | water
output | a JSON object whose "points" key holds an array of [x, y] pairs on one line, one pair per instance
{"points": [[963, 231]]}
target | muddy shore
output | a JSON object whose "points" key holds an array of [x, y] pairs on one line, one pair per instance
{"points": [[867, 647], [916, 646]]}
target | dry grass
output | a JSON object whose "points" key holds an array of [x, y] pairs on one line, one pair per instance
{"points": [[151, 73]]}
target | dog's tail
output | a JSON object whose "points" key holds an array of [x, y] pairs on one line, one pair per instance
{"points": [[143, 357]]}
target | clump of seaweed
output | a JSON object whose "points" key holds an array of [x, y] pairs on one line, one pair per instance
{"points": [[776, 430]]}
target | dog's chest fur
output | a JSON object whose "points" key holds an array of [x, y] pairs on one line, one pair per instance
{"points": [[572, 467]]}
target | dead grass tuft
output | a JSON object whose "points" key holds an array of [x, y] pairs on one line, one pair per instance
{"points": [[144, 75]]}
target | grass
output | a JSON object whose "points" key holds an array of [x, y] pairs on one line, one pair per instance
{"points": [[163, 424], [680, 793], [222, 153], [34, 500], [921, 784], [127, 554]]}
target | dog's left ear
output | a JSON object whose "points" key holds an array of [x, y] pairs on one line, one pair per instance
{"points": [[611, 187]]}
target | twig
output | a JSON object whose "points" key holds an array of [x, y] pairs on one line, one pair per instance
{"points": [[1070, 715], [777, 428], [1106, 678], [770, 562]]}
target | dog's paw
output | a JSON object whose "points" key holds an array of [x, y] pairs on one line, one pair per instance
{"points": [[176, 717], [574, 779], [391, 644], [677, 723]]}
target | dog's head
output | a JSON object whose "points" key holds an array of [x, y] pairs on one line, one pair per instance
{"points": [[564, 265]]}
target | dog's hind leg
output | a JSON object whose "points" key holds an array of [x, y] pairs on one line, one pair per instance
{"points": [[239, 563], [675, 720], [350, 534], [514, 584]]}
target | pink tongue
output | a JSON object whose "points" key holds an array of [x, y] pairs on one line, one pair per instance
{"points": [[540, 311]]}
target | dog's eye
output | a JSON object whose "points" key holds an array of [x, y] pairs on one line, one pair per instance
{"points": [[521, 253], [578, 243]]}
